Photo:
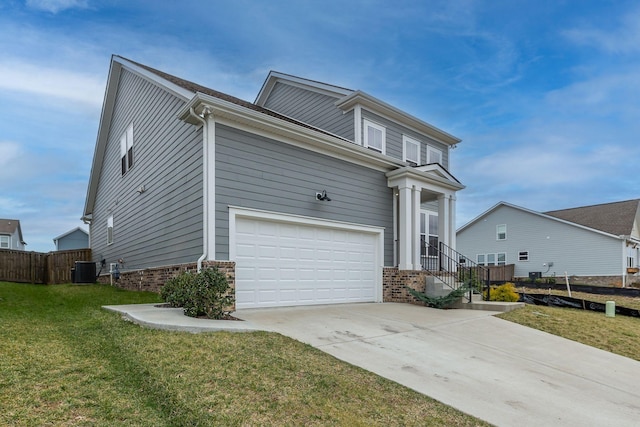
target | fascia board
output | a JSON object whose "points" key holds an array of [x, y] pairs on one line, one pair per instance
{"points": [[532, 212], [117, 64], [275, 77], [103, 133], [437, 168], [380, 107], [412, 173], [274, 127], [70, 232], [171, 87]]}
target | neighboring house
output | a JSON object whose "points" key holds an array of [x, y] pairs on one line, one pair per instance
{"points": [[312, 190], [72, 239], [593, 244], [11, 235]]}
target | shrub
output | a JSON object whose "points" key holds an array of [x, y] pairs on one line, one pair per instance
{"points": [[176, 291], [201, 294], [506, 292]]}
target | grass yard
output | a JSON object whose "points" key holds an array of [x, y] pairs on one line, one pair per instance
{"points": [[66, 362], [619, 334]]}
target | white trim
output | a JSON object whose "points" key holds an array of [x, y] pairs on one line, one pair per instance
{"points": [[240, 212], [509, 205], [406, 140], [390, 112], [498, 228], [366, 123], [258, 123], [153, 77], [8, 241], [315, 86], [357, 125]]}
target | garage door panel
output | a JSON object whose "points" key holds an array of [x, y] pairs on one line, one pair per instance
{"points": [[282, 263]]}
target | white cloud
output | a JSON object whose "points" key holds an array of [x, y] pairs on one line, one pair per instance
{"points": [[623, 38], [9, 152], [30, 78], [55, 6]]}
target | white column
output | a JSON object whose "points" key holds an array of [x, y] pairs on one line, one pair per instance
{"points": [[452, 222], [404, 232], [444, 221], [415, 231]]}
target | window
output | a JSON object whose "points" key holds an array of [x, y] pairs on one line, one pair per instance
{"points": [[374, 136], [411, 150], [502, 258], [5, 243], [110, 230], [501, 232], [492, 259], [126, 149], [434, 155], [523, 256]]}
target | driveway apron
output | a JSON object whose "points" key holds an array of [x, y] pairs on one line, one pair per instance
{"points": [[501, 372]]}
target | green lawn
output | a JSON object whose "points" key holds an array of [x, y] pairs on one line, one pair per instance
{"points": [[619, 334], [64, 361]]}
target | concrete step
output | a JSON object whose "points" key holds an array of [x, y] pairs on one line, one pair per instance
{"points": [[500, 306], [435, 287]]}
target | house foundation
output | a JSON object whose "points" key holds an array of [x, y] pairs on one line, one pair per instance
{"points": [[396, 281], [153, 279]]}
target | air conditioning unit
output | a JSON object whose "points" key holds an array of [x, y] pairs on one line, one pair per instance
{"points": [[533, 275]]}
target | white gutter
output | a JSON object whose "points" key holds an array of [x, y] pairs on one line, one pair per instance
{"points": [[205, 181]]}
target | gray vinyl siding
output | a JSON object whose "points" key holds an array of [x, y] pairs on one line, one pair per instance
{"points": [[75, 240], [163, 225], [394, 133], [572, 249], [259, 173], [311, 107]]}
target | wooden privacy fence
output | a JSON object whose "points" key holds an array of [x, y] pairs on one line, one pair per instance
{"points": [[35, 267], [501, 272]]}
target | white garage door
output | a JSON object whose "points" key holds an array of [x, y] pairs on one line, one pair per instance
{"points": [[281, 263]]}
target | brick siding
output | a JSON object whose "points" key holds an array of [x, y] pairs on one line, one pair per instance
{"points": [[153, 279], [395, 283]]}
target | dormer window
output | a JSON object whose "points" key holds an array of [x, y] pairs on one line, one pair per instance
{"points": [[374, 136], [410, 150], [434, 155], [126, 149]]}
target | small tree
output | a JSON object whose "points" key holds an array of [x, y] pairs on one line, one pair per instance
{"points": [[202, 294]]}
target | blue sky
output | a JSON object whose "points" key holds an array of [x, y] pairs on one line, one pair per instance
{"points": [[544, 94]]}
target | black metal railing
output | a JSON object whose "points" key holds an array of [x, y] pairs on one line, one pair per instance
{"points": [[455, 270]]}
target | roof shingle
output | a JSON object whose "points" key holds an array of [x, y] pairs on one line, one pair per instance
{"points": [[615, 218]]}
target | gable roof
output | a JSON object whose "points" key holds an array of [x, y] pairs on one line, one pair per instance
{"points": [[275, 77], [554, 216], [347, 99], [184, 89], [70, 232], [197, 97], [9, 226], [615, 218]]}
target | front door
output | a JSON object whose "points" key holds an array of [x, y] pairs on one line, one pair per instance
{"points": [[429, 240]]}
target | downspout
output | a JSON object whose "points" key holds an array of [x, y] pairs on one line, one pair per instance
{"points": [[205, 187]]}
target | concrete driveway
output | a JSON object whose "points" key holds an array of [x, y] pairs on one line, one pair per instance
{"points": [[498, 371]]}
